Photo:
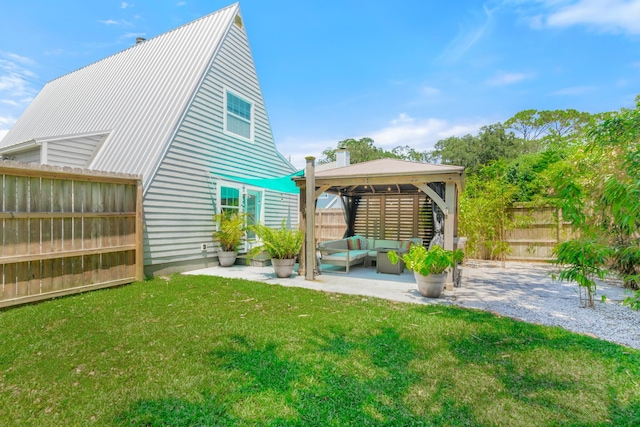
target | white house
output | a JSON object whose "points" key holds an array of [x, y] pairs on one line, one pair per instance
{"points": [[183, 109]]}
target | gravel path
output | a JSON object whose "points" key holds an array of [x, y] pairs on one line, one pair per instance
{"points": [[527, 292]]}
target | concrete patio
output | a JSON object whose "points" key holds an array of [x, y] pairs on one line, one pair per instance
{"points": [[482, 282]]}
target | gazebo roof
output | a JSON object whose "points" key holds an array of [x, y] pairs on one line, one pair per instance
{"points": [[386, 167], [383, 176]]}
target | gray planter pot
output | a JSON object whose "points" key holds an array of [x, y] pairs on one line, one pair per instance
{"points": [[430, 286], [227, 258], [283, 267]]}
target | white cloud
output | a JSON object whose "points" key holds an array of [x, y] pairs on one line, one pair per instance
{"points": [[125, 5], [13, 85], [296, 149], [18, 58], [421, 134], [181, 3], [402, 118], [467, 38], [504, 79], [610, 16], [428, 90], [574, 91], [121, 23]]}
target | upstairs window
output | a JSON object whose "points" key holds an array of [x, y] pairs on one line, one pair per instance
{"points": [[238, 116]]}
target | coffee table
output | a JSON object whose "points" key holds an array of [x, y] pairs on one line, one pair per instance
{"points": [[383, 265]]}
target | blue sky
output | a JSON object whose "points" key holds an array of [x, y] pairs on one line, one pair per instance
{"points": [[404, 72]]}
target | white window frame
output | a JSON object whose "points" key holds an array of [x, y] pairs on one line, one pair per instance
{"points": [[225, 113]]}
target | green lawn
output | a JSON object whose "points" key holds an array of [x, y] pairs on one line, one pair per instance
{"points": [[200, 351]]}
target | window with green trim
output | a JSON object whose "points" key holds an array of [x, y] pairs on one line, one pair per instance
{"points": [[229, 199]]}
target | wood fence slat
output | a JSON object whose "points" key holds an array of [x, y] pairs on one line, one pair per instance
{"points": [[10, 284], [35, 201], [47, 275], [35, 282], [24, 279], [57, 272], [63, 232]]}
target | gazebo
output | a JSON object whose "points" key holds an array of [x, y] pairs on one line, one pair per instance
{"points": [[385, 198]]}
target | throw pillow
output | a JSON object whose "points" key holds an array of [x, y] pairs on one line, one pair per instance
{"points": [[351, 243], [362, 242]]}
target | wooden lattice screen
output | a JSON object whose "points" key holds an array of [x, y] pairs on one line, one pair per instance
{"points": [[66, 231], [395, 217]]}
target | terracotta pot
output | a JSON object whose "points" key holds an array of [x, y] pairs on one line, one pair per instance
{"points": [[227, 258], [430, 286], [283, 267]]}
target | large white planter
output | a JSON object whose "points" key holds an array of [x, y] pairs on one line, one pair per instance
{"points": [[430, 286], [227, 258], [283, 267]]}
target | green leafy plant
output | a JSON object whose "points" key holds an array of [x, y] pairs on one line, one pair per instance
{"points": [[483, 213], [583, 261], [231, 229], [434, 261], [279, 243]]}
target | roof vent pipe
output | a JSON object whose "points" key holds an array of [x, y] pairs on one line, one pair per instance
{"points": [[140, 40], [343, 158]]}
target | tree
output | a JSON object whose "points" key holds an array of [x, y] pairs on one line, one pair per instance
{"points": [[598, 188], [492, 143], [364, 150], [460, 151], [360, 150], [540, 129]]}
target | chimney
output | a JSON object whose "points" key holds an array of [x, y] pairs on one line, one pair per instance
{"points": [[343, 158], [140, 40]]}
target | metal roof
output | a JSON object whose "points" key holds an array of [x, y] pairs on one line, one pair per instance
{"points": [[388, 167], [384, 176], [139, 95]]}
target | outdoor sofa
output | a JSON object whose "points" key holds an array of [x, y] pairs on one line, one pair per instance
{"points": [[358, 250]]}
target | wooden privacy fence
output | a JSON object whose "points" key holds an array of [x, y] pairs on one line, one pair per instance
{"points": [[538, 230], [329, 224], [66, 231]]}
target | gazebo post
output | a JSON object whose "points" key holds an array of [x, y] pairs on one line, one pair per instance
{"points": [[450, 197], [302, 227], [310, 214]]}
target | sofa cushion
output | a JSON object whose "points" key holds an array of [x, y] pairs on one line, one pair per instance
{"points": [[405, 244], [354, 255], [391, 244], [334, 244]]}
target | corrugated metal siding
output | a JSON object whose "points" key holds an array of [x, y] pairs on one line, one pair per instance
{"points": [[141, 93], [179, 200], [30, 156], [74, 152]]}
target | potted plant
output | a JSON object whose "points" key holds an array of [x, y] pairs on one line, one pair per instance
{"points": [[429, 267], [282, 244], [231, 229]]}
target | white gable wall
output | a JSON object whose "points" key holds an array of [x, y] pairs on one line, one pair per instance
{"points": [[179, 201], [27, 156], [76, 152]]}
